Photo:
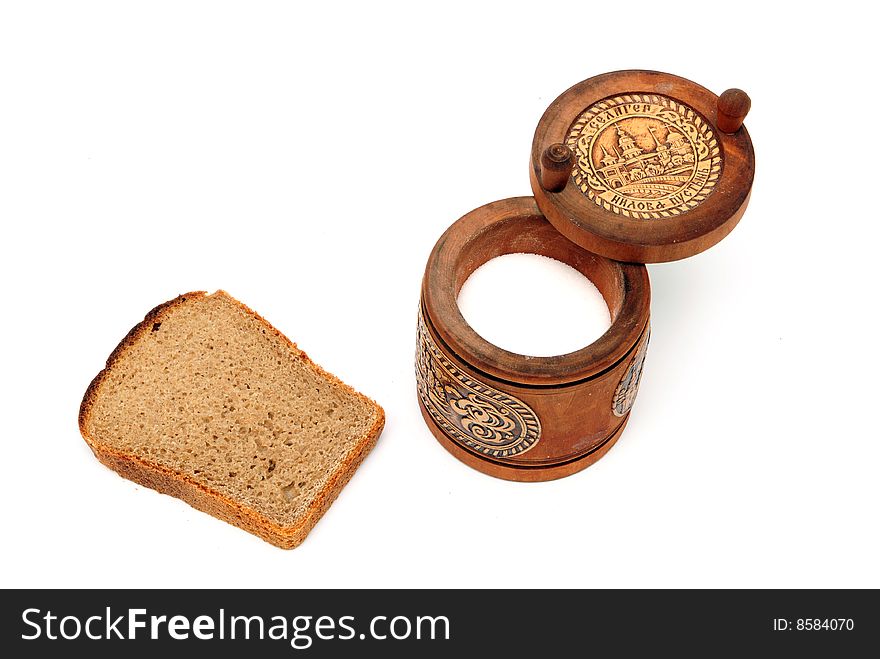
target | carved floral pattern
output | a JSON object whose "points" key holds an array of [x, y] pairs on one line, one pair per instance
{"points": [[626, 392], [470, 412]]}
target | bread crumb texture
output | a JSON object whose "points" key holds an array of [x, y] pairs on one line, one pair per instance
{"points": [[209, 391]]}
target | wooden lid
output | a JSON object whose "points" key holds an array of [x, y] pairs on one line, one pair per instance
{"points": [[642, 166]]}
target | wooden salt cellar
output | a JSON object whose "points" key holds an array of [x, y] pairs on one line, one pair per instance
{"points": [[629, 168]]}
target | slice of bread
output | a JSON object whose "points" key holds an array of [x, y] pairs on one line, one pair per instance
{"points": [[206, 401]]}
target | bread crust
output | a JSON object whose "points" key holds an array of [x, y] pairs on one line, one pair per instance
{"points": [[199, 496]]}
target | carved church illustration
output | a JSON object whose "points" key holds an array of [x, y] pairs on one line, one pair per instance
{"points": [[663, 169]]}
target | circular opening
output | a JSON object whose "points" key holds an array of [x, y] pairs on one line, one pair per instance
{"points": [[533, 305]]}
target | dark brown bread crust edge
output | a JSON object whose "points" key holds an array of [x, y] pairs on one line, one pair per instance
{"points": [[200, 497]]}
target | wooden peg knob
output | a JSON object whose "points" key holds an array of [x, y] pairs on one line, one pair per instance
{"points": [[557, 161], [733, 106]]}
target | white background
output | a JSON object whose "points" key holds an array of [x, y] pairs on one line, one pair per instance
{"points": [[306, 156]]}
